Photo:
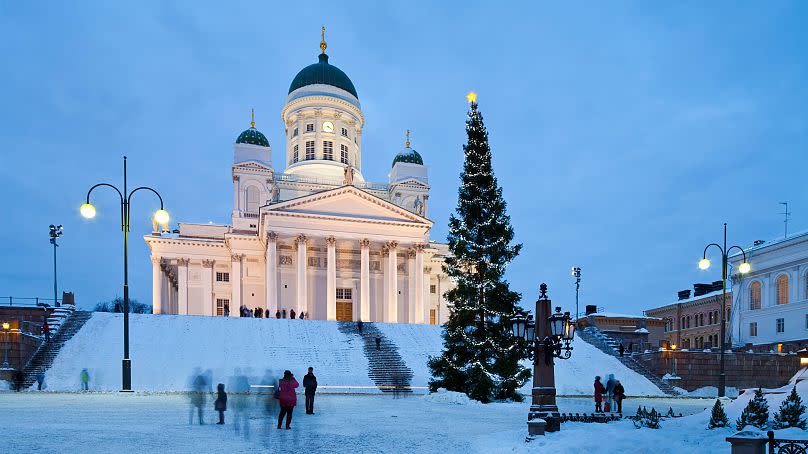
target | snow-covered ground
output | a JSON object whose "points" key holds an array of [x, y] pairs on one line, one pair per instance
{"points": [[168, 350]]}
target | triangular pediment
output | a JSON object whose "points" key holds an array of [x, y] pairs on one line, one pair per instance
{"points": [[411, 182], [347, 202], [252, 165]]}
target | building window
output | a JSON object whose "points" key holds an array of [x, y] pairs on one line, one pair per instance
{"points": [[221, 304], [782, 289], [309, 150], [433, 316], [688, 322], [222, 277], [344, 132], [253, 194], [294, 134], [753, 329], [433, 288], [781, 325], [343, 154], [295, 154], [328, 150], [310, 127], [754, 296], [344, 293]]}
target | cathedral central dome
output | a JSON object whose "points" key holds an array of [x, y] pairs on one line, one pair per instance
{"points": [[323, 73]]}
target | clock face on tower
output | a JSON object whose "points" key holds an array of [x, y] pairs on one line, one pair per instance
{"points": [[328, 126]]}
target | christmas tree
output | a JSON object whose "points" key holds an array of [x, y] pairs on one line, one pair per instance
{"points": [[756, 412], [790, 413], [719, 417], [480, 357]]}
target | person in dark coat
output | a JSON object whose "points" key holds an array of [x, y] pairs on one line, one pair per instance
{"points": [[19, 379], [46, 331], [292, 314], [220, 404], [284, 313], [378, 343], [278, 314], [40, 378], [622, 350], [287, 397], [310, 385], [599, 390], [619, 395], [359, 326], [610, 383]]}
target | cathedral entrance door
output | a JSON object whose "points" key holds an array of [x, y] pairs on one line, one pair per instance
{"points": [[344, 305]]}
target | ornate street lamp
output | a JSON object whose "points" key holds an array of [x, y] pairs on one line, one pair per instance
{"points": [[160, 217], [744, 268], [548, 337]]}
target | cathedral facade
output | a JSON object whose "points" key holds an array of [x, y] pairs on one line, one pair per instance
{"points": [[316, 238]]}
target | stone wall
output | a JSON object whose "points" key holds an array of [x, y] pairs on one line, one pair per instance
{"points": [[22, 339], [743, 370]]}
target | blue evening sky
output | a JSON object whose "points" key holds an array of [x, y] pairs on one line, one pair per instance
{"points": [[623, 133]]}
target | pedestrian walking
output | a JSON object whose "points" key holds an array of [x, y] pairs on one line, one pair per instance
{"points": [[622, 350], [292, 314], [40, 378], [85, 380], [619, 395], [46, 331], [302, 315], [359, 326], [19, 379], [599, 390], [220, 404], [226, 310], [310, 385], [610, 384], [278, 314], [378, 342], [287, 397], [197, 398], [284, 313]]}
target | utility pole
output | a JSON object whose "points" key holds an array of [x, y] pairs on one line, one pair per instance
{"points": [[55, 233]]}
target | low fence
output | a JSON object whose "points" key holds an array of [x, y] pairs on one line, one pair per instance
{"points": [[17, 301], [744, 443]]}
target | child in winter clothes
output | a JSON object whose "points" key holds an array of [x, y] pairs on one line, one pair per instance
{"points": [[220, 404]]}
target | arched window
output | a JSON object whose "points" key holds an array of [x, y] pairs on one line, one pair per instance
{"points": [[688, 321], [782, 289], [754, 295], [253, 195]]}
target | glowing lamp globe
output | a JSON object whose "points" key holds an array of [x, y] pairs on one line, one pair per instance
{"points": [[87, 210], [161, 216], [6, 326], [704, 263], [744, 268]]}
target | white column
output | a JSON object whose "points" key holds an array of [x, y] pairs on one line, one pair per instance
{"points": [[235, 285], [412, 293], [302, 294], [208, 303], [272, 272], [182, 286], [364, 280], [331, 278], [157, 281], [421, 293], [425, 295], [392, 268]]}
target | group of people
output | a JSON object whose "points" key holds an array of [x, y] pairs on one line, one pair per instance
{"points": [[259, 312], [612, 394], [285, 394]]}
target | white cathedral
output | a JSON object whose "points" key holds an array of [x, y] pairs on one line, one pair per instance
{"points": [[317, 238]]}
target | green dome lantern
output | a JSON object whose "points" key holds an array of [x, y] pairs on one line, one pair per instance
{"points": [[323, 73], [253, 136], [408, 155]]}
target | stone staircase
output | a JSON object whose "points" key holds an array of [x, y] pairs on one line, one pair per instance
{"points": [[607, 345], [68, 325], [387, 370]]}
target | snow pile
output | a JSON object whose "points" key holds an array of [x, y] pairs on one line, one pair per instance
{"points": [[442, 396], [167, 351], [711, 391]]}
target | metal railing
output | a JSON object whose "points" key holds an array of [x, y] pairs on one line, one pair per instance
{"points": [[17, 301], [332, 182]]}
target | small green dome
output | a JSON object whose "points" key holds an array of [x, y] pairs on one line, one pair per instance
{"points": [[408, 155], [323, 73], [253, 136]]}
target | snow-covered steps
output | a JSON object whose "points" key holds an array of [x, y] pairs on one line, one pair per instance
{"points": [[44, 356], [386, 368]]}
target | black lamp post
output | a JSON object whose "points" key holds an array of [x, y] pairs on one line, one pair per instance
{"points": [[160, 217], [744, 268], [55, 233], [548, 337]]}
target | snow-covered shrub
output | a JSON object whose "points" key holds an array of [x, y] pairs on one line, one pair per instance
{"points": [[790, 412], [719, 417], [756, 413]]}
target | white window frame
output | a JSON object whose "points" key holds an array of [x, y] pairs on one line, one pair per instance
{"points": [[328, 150], [310, 150], [222, 276], [343, 154], [780, 325]]}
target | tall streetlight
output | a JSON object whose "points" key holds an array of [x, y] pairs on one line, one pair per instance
{"points": [[743, 268], [160, 217], [6, 327], [576, 273], [55, 233], [547, 338]]}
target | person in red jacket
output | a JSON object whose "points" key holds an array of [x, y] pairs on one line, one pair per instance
{"points": [[46, 331], [287, 397], [599, 390]]}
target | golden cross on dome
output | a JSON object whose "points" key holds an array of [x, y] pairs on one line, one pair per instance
{"points": [[323, 45], [408, 139], [252, 118]]}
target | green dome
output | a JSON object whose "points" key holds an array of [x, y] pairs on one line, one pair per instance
{"points": [[322, 73], [408, 155], [253, 136]]}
